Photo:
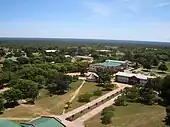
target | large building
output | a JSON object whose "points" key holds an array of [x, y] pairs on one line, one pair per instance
{"points": [[109, 65], [131, 78], [43, 121]]}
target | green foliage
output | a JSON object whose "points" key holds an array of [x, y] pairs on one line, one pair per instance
{"points": [[107, 115], [97, 93], [23, 60], [12, 95], [120, 101], [28, 88], [163, 67], [108, 86], [167, 119], [85, 97], [1, 103]]}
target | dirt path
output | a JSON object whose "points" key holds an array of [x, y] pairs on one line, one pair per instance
{"points": [[16, 118], [75, 94], [36, 109]]}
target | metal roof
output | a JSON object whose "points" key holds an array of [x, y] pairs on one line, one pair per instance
{"points": [[7, 123], [111, 63], [44, 122], [139, 76]]}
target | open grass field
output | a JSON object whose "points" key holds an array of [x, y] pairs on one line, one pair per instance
{"points": [[87, 87], [44, 105], [133, 115]]}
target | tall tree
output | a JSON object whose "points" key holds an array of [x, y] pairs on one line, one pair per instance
{"points": [[1, 103], [163, 67], [12, 95]]}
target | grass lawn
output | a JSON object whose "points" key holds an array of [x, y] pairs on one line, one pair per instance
{"points": [[44, 105], [133, 115], [88, 87]]}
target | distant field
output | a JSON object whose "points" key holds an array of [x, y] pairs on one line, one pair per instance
{"points": [[133, 115], [43, 106]]}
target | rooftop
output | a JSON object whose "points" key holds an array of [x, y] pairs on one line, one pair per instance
{"points": [[140, 76], [7, 123], [111, 63], [44, 122]]}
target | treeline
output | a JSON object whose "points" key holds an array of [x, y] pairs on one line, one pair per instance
{"points": [[25, 80]]}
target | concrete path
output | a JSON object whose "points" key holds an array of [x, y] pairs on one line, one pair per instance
{"points": [[82, 108], [96, 110], [75, 94]]}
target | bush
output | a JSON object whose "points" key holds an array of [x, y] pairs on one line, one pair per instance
{"points": [[120, 101], [85, 97], [107, 115], [97, 93], [75, 78]]}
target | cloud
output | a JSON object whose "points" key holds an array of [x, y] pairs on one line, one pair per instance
{"points": [[163, 4], [98, 9]]}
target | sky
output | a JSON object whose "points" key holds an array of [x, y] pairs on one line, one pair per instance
{"points": [[90, 19]]}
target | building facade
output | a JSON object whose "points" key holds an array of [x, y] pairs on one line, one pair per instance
{"points": [[131, 78]]}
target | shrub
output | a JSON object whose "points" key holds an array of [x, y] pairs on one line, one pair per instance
{"points": [[107, 115], [97, 93], [84, 98]]}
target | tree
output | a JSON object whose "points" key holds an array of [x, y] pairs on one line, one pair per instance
{"points": [[155, 61], [97, 92], [167, 119], [23, 60], [12, 95], [107, 115], [148, 96], [120, 101], [1, 103], [163, 67], [146, 65], [108, 86], [28, 88], [2, 52], [104, 76], [84, 97]]}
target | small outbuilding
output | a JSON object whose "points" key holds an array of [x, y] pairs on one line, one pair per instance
{"points": [[91, 77]]}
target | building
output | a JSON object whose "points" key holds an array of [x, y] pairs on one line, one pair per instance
{"points": [[83, 59], [91, 77], [109, 65], [50, 51], [8, 123], [131, 78], [43, 121]]}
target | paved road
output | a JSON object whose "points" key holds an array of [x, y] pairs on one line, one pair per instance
{"points": [[96, 110], [82, 108]]}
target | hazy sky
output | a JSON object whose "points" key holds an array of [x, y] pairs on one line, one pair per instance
{"points": [[106, 19]]}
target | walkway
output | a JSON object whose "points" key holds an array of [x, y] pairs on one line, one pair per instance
{"points": [[94, 102], [96, 110], [75, 94]]}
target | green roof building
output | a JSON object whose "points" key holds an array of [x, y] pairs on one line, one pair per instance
{"points": [[44, 122], [7, 123]]}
